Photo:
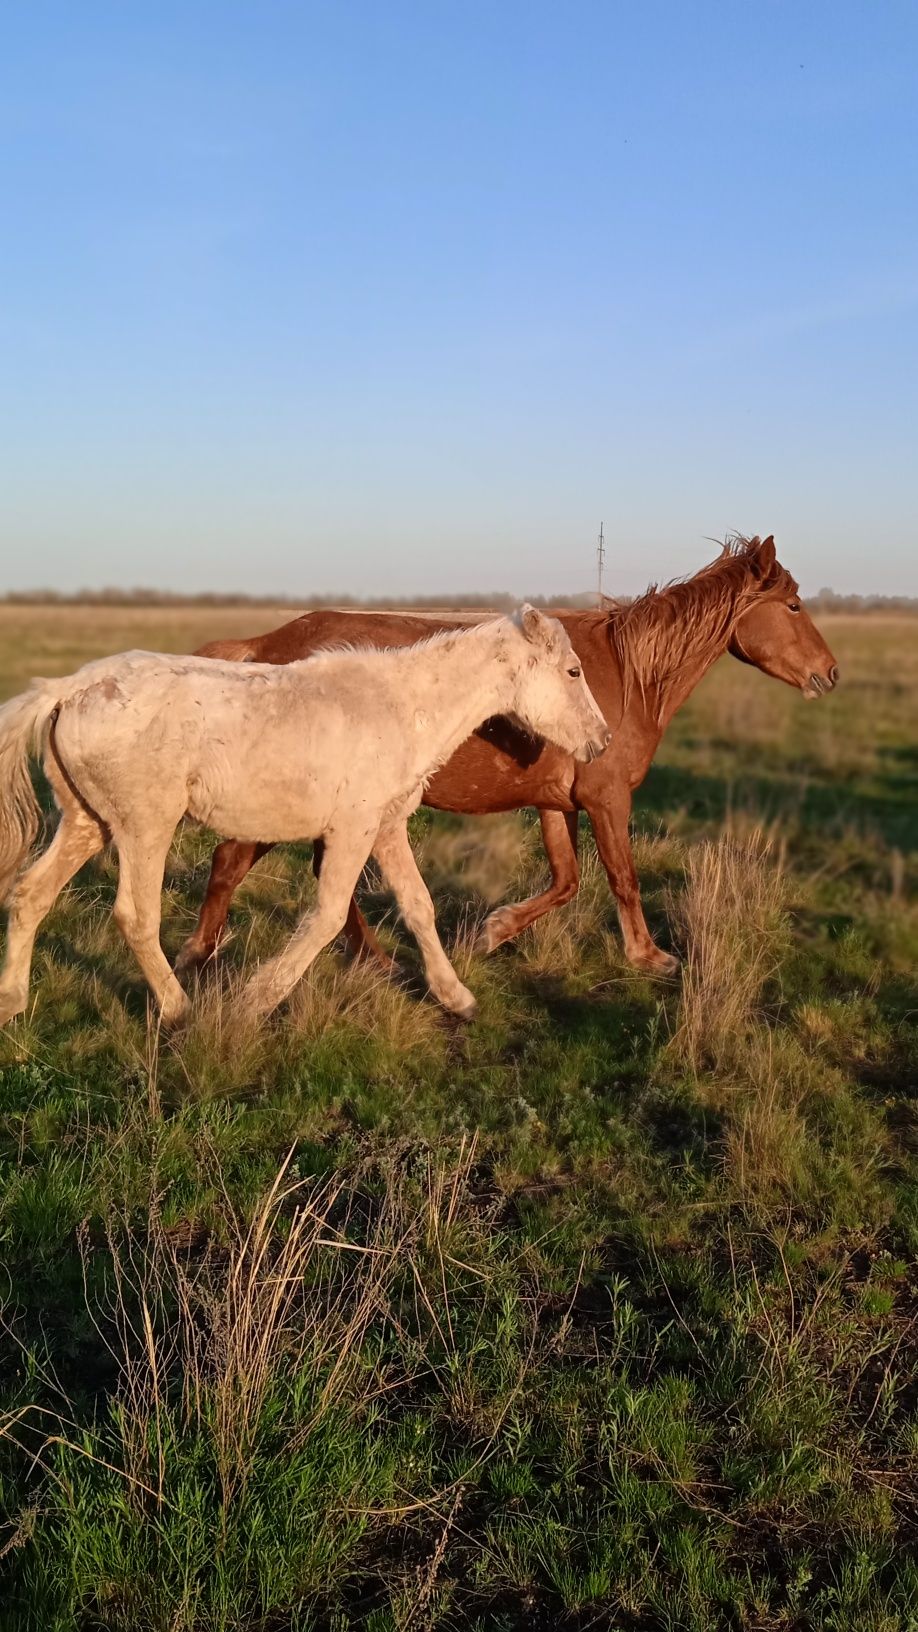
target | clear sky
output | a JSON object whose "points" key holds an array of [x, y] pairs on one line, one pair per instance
{"points": [[407, 295]]}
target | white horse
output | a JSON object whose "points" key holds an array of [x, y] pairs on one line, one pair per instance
{"points": [[338, 746]]}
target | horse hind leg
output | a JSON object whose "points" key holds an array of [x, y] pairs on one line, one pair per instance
{"points": [[395, 856], [559, 835], [79, 836], [232, 861], [138, 911]]}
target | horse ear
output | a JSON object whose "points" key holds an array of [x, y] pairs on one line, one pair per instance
{"points": [[532, 623], [765, 558]]}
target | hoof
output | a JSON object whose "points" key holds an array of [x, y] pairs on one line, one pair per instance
{"points": [[174, 1012], [258, 999], [12, 1004], [495, 930], [463, 1005], [192, 958], [657, 962]]}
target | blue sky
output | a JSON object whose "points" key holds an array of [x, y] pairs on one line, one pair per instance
{"points": [[378, 296]]}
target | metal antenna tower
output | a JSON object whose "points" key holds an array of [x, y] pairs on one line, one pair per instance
{"points": [[600, 562]]}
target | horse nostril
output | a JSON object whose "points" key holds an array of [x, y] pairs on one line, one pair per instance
{"points": [[833, 675], [606, 738]]}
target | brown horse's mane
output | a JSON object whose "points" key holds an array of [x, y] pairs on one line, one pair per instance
{"points": [[691, 620]]}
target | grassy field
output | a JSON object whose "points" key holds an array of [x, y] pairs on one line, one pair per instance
{"points": [[599, 1313]]}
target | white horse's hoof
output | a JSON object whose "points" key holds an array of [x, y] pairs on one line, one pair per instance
{"points": [[463, 1005], [11, 1004], [174, 1010], [259, 999]]}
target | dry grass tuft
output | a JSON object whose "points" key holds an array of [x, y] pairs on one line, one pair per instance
{"points": [[732, 918], [294, 1293], [364, 999], [481, 855], [555, 943], [223, 1048]]}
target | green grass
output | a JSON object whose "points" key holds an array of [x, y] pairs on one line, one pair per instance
{"points": [[602, 1312]]}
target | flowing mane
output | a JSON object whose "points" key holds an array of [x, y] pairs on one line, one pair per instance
{"points": [[690, 619]]}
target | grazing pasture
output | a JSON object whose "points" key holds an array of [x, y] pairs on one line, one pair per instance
{"points": [[600, 1312]]}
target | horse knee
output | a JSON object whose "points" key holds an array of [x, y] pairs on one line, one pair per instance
{"points": [[125, 917], [324, 922], [332, 923], [417, 911]]}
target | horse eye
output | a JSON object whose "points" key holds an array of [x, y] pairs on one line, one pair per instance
{"points": [[574, 674], [793, 606]]}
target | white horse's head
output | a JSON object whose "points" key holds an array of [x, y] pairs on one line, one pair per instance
{"points": [[552, 699]]}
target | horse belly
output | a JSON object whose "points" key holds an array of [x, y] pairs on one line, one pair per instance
{"points": [[269, 785], [254, 805]]}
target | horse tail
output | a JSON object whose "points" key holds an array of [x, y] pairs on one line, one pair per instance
{"points": [[231, 651], [23, 728]]}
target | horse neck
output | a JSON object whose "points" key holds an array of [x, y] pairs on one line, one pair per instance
{"points": [[663, 686], [460, 681], [679, 690]]}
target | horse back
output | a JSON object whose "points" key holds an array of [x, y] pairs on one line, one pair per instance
{"points": [[500, 767], [317, 631]]}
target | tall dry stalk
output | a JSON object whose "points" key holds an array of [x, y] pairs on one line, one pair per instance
{"points": [[733, 925], [201, 1333]]}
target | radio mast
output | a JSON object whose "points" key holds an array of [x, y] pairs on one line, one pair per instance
{"points": [[600, 562]]}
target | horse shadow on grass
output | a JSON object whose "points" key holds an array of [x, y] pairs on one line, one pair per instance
{"points": [[890, 809]]}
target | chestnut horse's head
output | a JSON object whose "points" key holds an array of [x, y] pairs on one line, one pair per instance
{"points": [[776, 633]]}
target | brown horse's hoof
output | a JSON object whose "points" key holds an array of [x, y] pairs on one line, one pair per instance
{"points": [[498, 927], [657, 962], [193, 957]]}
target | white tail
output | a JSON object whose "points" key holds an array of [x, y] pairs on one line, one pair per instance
{"points": [[23, 723]]}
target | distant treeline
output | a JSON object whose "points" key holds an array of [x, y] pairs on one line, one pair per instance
{"points": [[498, 602], [825, 601], [828, 601]]}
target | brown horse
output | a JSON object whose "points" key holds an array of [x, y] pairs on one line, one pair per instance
{"points": [[641, 662]]}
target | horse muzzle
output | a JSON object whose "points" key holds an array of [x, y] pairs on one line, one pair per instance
{"points": [[817, 685], [594, 747]]}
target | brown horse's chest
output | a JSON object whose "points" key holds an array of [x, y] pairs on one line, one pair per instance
{"points": [[482, 777]]}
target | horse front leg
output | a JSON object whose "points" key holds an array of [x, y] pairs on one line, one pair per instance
{"points": [[559, 835], [231, 861], [360, 939], [344, 858], [610, 820], [396, 859]]}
